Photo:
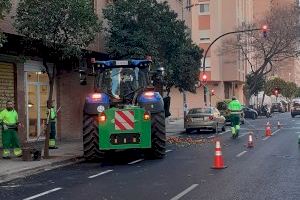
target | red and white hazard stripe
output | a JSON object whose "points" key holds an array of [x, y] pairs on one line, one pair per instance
{"points": [[124, 120]]}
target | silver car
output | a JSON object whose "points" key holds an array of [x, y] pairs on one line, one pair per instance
{"points": [[204, 118]]}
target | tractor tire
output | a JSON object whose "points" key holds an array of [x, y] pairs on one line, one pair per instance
{"points": [[91, 151], [158, 137]]}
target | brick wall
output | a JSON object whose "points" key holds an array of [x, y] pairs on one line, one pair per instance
{"points": [[70, 96]]}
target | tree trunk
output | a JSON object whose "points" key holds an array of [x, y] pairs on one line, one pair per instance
{"points": [[263, 99]]}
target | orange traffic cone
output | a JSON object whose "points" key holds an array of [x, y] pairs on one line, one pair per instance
{"points": [[268, 130], [218, 161], [250, 140], [278, 125]]}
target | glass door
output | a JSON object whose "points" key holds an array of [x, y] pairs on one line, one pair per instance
{"points": [[32, 113], [36, 98]]}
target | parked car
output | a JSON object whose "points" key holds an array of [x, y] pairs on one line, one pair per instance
{"points": [[295, 109], [250, 113], [204, 118], [277, 107], [222, 106]]}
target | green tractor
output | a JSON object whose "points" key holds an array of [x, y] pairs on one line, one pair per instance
{"points": [[126, 111]]}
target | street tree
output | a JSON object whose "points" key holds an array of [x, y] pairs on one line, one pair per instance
{"points": [[289, 90], [5, 6], [138, 28], [265, 51], [272, 84], [64, 27]]}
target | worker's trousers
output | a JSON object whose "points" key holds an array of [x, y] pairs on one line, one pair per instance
{"points": [[10, 140]]}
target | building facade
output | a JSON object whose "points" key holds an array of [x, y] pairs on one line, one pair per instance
{"points": [[22, 80], [225, 72]]}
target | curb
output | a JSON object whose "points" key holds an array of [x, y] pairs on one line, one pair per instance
{"points": [[36, 170]]}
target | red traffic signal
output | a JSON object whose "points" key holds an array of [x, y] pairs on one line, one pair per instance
{"points": [[212, 92], [276, 91], [265, 30], [204, 77]]}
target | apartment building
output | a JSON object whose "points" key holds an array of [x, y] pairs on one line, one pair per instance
{"points": [[225, 72]]}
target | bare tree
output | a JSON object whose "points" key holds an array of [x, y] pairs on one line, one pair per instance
{"points": [[264, 52]]}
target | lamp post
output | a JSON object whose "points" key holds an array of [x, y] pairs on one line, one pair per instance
{"points": [[228, 33]]}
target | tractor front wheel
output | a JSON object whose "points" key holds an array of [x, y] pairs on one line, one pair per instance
{"points": [[91, 149], [158, 136]]}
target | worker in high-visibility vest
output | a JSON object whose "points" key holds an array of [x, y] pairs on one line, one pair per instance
{"points": [[9, 120], [235, 109], [53, 114]]}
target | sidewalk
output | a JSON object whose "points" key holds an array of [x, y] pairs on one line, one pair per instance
{"points": [[68, 153]]}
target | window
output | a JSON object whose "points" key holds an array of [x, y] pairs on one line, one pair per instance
{"points": [[188, 5], [204, 8], [207, 62], [204, 35]]}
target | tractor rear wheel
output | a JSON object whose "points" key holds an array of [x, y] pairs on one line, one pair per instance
{"points": [[158, 136], [91, 149]]}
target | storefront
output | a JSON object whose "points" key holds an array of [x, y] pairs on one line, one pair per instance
{"points": [[7, 86], [36, 90]]}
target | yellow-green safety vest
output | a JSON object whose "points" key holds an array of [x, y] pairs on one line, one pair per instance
{"points": [[9, 117]]}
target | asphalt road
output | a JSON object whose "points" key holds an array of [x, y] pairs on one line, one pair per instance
{"points": [[270, 170]]}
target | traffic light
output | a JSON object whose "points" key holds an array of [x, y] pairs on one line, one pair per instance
{"points": [[276, 91], [265, 30], [204, 78], [212, 92]]}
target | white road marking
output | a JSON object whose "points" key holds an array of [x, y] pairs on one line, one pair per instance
{"points": [[224, 132], [10, 186], [240, 154], [211, 137], [243, 135], [42, 194], [266, 138], [185, 192], [275, 132], [136, 161], [298, 132], [102, 173], [169, 150]]}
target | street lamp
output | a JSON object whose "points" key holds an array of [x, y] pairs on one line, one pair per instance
{"points": [[264, 28]]}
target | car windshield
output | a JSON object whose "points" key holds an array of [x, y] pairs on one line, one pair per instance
{"points": [[120, 82], [200, 110]]}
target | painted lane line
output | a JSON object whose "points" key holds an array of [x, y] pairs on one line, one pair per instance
{"points": [[240, 154], [243, 135], [298, 132], [10, 186], [266, 138], [136, 161], [42, 194], [169, 150], [102, 173], [212, 136], [275, 132], [185, 192], [224, 132]]}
